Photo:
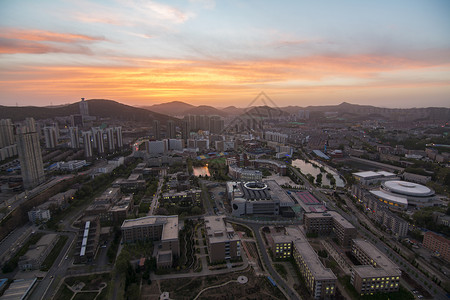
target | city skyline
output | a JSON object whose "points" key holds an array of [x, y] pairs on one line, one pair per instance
{"points": [[225, 53]]}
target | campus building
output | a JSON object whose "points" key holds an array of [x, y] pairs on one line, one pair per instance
{"points": [[259, 198], [377, 273], [163, 229], [331, 221], [438, 244], [223, 242]]}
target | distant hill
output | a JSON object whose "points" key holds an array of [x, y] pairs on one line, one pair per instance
{"points": [[233, 110], [266, 112], [174, 108], [205, 110], [97, 107]]}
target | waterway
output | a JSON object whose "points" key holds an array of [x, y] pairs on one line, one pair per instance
{"points": [[201, 171], [314, 170]]}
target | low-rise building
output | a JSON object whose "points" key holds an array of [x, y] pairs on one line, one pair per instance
{"points": [[244, 174], [319, 280], [331, 221], [88, 240], [37, 215], [184, 198], [438, 244], [377, 273], [163, 229], [223, 242], [36, 254]]}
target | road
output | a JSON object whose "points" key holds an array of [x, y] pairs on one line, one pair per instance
{"points": [[154, 204], [292, 294]]}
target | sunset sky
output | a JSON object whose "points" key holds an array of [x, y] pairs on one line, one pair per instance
{"points": [[221, 53]]}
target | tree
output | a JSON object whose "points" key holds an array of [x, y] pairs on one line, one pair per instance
{"points": [[196, 210], [319, 179]]}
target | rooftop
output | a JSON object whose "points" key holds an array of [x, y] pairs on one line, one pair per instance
{"points": [[408, 188], [313, 262], [340, 219], [382, 261], [388, 196], [218, 230], [170, 225], [40, 247], [18, 289]]}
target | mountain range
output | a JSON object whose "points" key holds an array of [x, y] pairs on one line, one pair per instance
{"points": [[167, 111]]}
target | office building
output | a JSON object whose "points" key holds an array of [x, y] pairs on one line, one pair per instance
{"points": [[74, 137], [438, 244], [244, 174], [30, 157], [319, 280], [328, 222], [223, 243], [84, 109], [153, 228], [377, 273], [161, 229]]}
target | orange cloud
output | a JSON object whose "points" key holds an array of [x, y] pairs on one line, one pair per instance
{"points": [[142, 80], [14, 41]]}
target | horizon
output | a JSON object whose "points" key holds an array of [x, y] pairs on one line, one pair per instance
{"points": [[220, 54], [222, 107]]}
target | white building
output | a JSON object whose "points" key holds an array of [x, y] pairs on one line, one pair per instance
{"points": [[39, 215]]}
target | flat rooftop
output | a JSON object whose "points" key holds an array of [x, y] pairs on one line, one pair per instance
{"points": [[218, 231], [382, 261], [313, 262], [169, 223], [18, 289], [278, 193], [340, 219], [40, 246]]}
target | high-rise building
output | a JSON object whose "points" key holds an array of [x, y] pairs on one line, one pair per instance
{"points": [[185, 130], [156, 130], [84, 109], [30, 156], [87, 141], [216, 124], [171, 129], [51, 139], [6, 133], [76, 121], [74, 137], [110, 139], [97, 134], [118, 135]]}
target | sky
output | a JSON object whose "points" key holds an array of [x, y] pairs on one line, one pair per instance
{"points": [[222, 53]]}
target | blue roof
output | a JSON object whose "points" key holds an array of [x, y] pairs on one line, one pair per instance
{"points": [[321, 154]]}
